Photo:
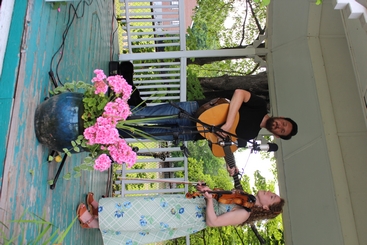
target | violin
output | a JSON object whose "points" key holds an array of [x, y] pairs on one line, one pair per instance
{"points": [[238, 197]]}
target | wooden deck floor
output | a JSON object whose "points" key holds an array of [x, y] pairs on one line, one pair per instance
{"points": [[36, 34]]}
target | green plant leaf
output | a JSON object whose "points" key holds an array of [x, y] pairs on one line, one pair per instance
{"points": [[64, 233], [30, 221], [51, 237], [67, 176], [88, 160], [10, 242], [5, 227], [42, 234], [77, 175], [84, 167], [80, 84]]}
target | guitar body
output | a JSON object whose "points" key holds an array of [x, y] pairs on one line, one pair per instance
{"points": [[216, 115]]}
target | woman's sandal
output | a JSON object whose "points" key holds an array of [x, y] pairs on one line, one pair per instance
{"points": [[90, 200], [80, 211]]}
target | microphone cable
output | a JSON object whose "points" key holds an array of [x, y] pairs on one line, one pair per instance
{"points": [[64, 35]]}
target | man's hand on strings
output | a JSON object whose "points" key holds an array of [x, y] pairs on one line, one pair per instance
{"points": [[225, 128], [232, 171]]}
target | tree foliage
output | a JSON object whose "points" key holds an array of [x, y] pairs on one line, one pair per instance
{"points": [[194, 89], [201, 151], [209, 32], [204, 33]]}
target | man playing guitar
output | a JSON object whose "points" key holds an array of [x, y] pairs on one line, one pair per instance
{"points": [[253, 116], [244, 116]]}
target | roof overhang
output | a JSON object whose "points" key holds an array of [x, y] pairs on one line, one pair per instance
{"points": [[317, 76]]}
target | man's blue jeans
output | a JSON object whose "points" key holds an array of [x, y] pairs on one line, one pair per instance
{"points": [[164, 129]]}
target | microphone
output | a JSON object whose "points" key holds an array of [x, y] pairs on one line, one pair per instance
{"points": [[265, 147], [255, 147], [227, 143]]}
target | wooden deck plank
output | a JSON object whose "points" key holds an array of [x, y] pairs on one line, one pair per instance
{"points": [[25, 171], [8, 80], [5, 114]]}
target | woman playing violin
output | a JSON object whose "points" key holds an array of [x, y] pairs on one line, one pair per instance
{"points": [[147, 219]]}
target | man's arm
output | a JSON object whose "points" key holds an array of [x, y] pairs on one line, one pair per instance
{"points": [[238, 98]]}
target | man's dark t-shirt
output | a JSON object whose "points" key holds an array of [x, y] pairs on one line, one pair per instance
{"points": [[251, 115]]}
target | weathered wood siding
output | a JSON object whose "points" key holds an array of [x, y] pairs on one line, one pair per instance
{"points": [[35, 36]]}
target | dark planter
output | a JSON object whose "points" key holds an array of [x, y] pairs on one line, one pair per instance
{"points": [[58, 120]]}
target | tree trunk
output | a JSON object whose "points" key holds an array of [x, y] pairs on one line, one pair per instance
{"points": [[224, 86], [208, 60]]}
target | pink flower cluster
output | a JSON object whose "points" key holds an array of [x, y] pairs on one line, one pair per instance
{"points": [[100, 76], [100, 86], [117, 83], [102, 163], [120, 86], [118, 109], [104, 131], [122, 153]]}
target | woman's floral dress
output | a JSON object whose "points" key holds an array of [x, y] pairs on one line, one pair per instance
{"points": [[146, 219]]}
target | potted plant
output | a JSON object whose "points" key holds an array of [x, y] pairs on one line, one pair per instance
{"points": [[84, 116]]}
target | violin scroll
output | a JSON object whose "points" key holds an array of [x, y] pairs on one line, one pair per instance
{"points": [[193, 195]]}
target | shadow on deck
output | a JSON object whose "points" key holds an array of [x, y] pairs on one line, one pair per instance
{"points": [[36, 33]]}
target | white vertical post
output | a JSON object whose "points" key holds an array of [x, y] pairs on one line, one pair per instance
{"points": [[181, 9], [128, 29]]}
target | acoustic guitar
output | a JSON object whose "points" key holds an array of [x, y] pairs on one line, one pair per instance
{"points": [[214, 113]]}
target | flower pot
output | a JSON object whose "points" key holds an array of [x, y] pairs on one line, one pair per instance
{"points": [[58, 120]]}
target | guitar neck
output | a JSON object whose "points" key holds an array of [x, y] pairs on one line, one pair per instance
{"points": [[229, 158]]}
